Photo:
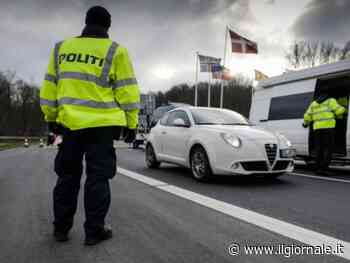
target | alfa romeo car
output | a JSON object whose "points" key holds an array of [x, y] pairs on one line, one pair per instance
{"points": [[212, 141]]}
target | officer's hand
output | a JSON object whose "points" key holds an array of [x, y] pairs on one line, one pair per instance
{"points": [[51, 138], [304, 125], [130, 135], [55, 128]]}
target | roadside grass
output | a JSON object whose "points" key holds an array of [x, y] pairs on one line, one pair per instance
{"points": [[9, 145], [15, 142]]}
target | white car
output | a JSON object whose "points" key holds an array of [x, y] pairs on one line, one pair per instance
{"points": [[217, 141]]}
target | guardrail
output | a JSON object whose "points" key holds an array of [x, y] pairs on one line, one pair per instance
{"points": [[14, 138]]}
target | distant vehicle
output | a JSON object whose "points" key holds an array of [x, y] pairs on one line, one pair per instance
{"points": [[160, 111], [148, 105], [41, 143], [26, 143], [140, 138], [279, 104], [217, 141]]}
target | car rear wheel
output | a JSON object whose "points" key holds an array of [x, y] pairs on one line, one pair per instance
{"points": [[200, 165], [151, 159]]}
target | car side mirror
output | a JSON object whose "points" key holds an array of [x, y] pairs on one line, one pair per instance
{"points": [[180, 123]]}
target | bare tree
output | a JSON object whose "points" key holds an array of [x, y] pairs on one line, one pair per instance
{"points": [[296, 53], [6, 86], [19, 107], [326, 52], [237, 94], [26, 97], [309, 54], [345, 52]]}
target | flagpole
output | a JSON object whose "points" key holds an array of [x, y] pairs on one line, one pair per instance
{"points": [[222, 80], [196, 83], [209, 91]]}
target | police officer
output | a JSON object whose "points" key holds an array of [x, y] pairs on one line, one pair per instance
{"points": [[323, 113], [89, 92]]}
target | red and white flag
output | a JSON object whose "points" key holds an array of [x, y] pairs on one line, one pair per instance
{"points": [[242, 45]]}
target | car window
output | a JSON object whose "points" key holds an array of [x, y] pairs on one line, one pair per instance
{"points": [[160, 111], [178, 114], [163, 121]]}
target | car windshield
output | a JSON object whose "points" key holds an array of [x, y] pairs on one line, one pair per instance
{"points": [[159, 112], [218, 117]]}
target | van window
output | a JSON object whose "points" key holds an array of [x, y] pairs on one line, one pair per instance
{"points": [[290, 107]]}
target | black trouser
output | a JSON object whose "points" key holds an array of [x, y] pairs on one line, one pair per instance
{"points": [[97, 146], [324, 143]]}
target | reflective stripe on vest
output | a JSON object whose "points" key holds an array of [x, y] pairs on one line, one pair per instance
{"points": [[108, 61], [325, 119], [124, 82], [80, 102], [321, 111], [85, 77], [87, 103], [50, 103], [130, 106]]}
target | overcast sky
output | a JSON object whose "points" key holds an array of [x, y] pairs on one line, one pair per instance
{"points": [[163, 35]]}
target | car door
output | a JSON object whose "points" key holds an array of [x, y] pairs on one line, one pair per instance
{"points": [[176, 137], [159, 132]]}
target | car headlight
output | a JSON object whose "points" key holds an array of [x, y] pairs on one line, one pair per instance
{"points": [[232, 140], [284, 140], [287, 153]]}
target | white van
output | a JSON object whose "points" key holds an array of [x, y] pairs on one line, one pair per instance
{"points": [[279, 104]]}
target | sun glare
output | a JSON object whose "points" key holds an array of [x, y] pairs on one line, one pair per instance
{"points": [[163, 72]]}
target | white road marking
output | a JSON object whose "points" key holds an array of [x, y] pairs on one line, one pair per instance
{"points": [[322, 178], [280, 227], [140, 177]]}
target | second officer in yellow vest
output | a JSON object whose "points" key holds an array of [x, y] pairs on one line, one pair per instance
{"points": [[89, 93], [322, 114]]}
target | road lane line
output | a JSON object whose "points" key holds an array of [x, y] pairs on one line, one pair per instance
{"points": [[322, 178], [280, 227], [140, 177]]}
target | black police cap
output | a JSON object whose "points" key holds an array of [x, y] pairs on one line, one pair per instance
{"points": [[98, 15]]}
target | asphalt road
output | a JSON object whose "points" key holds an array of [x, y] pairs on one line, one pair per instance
{"points": [[153, 225]]}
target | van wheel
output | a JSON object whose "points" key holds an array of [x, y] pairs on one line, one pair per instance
{"points": [[150, 156], [200, 165]]}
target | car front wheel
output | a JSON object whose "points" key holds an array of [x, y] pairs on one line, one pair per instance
{"points": [[200, 165], [151, 159]]}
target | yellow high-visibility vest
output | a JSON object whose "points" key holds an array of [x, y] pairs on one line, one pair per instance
{"points": [[90, 82], [323, 114]]}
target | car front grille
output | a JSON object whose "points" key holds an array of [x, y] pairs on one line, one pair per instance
{"points": [[271, 151], [255, 166], [281, 165]]}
